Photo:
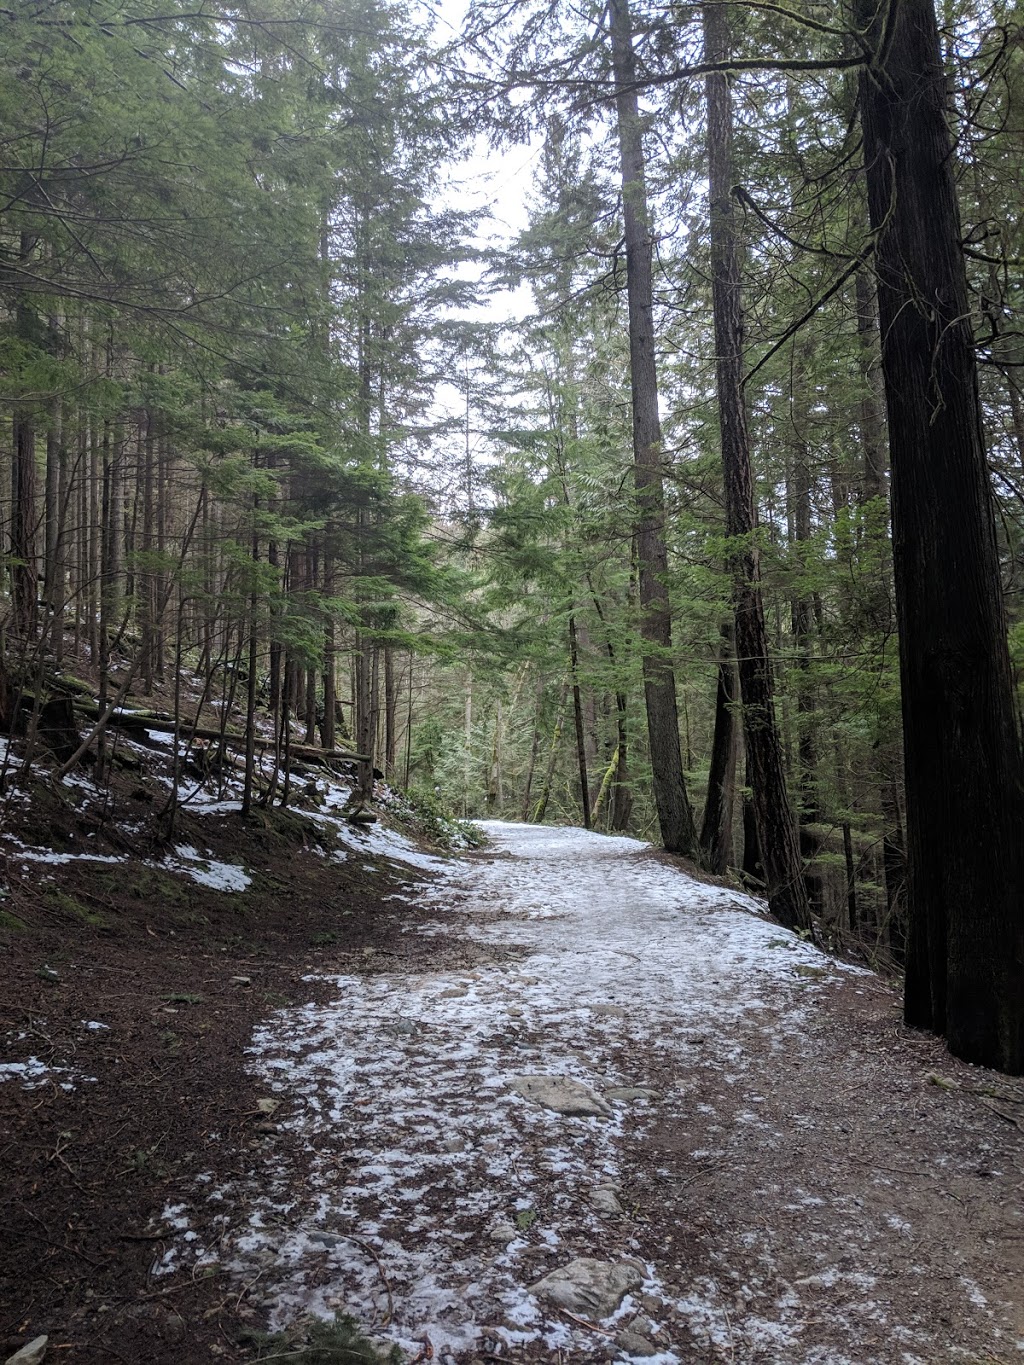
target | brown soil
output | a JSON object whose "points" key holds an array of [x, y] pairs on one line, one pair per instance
{"points": [[882, 1183], [179, 975], [861, 1119]]}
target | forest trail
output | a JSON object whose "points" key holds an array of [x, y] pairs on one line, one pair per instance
{"points": [[759, 1156]]}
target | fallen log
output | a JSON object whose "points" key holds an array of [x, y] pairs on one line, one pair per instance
{"points": [[140, 720]]}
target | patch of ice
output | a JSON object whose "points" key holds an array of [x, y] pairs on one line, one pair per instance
{"points": [[47, 855], [207, 804], [974, 1293], [33, 1073], [28, 1071], [207, 871]]}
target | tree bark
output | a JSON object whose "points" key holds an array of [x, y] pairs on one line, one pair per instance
{"points": [[541, 808], [776, 826], [872, 402], [675, 818], [577, 711], [391, 685], [964, 781], [23, 525], [802, 619], [716, 828], [24, 591]]}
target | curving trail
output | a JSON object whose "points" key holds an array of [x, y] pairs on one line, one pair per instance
{"points": [[641, 1071]]}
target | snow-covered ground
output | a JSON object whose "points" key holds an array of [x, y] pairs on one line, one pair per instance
{"points": [[457, 1190], [211, 798]]}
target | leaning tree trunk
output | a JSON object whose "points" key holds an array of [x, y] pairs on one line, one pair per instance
{"points": [[964, 782], [776, 825], [675, 818]]}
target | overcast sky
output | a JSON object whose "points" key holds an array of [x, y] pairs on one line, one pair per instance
{"points": [[497, 181]]}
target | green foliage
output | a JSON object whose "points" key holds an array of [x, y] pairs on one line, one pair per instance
{"points": [[436, 821], [325, 1343], [69, 905]]}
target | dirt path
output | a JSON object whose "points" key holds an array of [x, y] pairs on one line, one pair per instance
{"points": [[733, 1132]]}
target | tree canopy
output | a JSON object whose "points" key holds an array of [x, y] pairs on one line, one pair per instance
{"points": [[722, 544]]}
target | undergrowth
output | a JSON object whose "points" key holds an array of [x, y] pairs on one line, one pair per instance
{"points": [[436, 822], [325, 1343]]}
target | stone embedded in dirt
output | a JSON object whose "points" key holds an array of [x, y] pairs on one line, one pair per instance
{"points": [[453, 993], [630, 1092], [636, 1344], [502, 1232], [31, 1354], [326, 1239], [359, 814], [605, 1199], [593, 1289], [615, 1011], [562, 1094], [267, 1105]]}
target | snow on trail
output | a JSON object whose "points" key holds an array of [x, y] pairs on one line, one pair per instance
{"points": [[457, 1191]]}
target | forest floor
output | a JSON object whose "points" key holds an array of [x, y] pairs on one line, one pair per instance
{"points": [[417, 1089]]}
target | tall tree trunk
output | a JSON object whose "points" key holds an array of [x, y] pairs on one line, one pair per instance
{"points": [[164, 529], [52, 509], [577, 711], [24, 591], [328, 734], [964, 779], [675, 818], [81, 538], [894, 867], [365, 718], [310, 700], [716, 838], [147, 577], [62, 538], [588, 700], [753, 870], [541, 808], [391, 684], [23, 525], [872, 402], [495, 793], [622, 790], [622, 793], [803, 625], [851, 877], [531, 765], [776, 826]]}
